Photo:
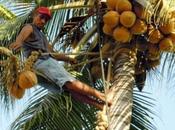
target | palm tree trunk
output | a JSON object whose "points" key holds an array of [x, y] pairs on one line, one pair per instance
{"points": [[121, 110]]}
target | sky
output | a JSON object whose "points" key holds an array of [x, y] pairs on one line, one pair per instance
{"points": [[165, 105], [161, 88]]}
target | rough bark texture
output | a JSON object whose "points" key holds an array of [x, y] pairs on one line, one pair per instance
{"points": [[121, 109]]}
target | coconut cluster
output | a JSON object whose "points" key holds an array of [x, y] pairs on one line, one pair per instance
{"points": [[126, 20], [26, 79], [121, 21]]}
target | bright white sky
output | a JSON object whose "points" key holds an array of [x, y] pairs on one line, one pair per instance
{"points": [[165, 105], [163, 91]]}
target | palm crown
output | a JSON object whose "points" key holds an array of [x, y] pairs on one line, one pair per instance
{"points": [[135, 48]]}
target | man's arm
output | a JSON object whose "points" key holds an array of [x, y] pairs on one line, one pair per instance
{"points": [[23, 35], [63, 57]]}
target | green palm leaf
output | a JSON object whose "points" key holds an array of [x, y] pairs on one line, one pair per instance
{"points": [[54, 111], [6, 14]]}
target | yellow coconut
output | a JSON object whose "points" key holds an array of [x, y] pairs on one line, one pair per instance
{"points": [[123, 5], [150, 28], [139, 11], [111, 18], [166, 44], [111, 4], [167, 28], [139, 27], [127, 19], [172, 37], [154, 36], [122, 34], [108, 30], [153, 48], [153, 52], [27, 79], [17, 92]]}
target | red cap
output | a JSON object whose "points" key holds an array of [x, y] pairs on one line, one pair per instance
{"points": [[44, 10]]}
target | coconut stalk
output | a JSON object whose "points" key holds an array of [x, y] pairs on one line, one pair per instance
{"points": [[121, 109]]}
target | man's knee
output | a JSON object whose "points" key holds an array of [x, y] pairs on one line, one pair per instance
{"points": [[70, 84], [73, 84]]}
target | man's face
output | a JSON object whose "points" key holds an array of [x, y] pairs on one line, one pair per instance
{"points": [[40, 20]]}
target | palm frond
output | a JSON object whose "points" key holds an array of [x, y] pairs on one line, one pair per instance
{"points": [[167, 67], [11, 28], [8, 35], [8, 32], [6, 14], [142, 116], [158, 10], [46, 110], [72, 5]]}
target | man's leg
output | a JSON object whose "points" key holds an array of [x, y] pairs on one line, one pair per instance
{"points": [[87, 100], [84, 89]]}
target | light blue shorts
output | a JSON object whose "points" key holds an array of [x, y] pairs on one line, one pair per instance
{"points": [[52, 71]]}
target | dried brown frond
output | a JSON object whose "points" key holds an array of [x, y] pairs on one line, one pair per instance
{"points": [[28, 65], [11, 71], [6, 51]]}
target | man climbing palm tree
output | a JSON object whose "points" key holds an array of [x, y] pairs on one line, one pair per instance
{"points": [[31, 39]]}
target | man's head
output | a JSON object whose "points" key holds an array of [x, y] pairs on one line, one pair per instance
{"points": [[41, 16]]}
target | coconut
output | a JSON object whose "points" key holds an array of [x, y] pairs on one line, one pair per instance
{"points": [[153, 52], [154, 36], [166, 44], [123, 5], [122, 34], [111, 18], [127, 19], [108, 30], [172, 37], [27, 79], [17, 92], [167, 28], [150, 28], [152, 48], [139, 27], [111, 4], [139, 11]]}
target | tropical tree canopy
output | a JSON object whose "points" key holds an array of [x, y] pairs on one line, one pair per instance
{"points": [[117, 43]]}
